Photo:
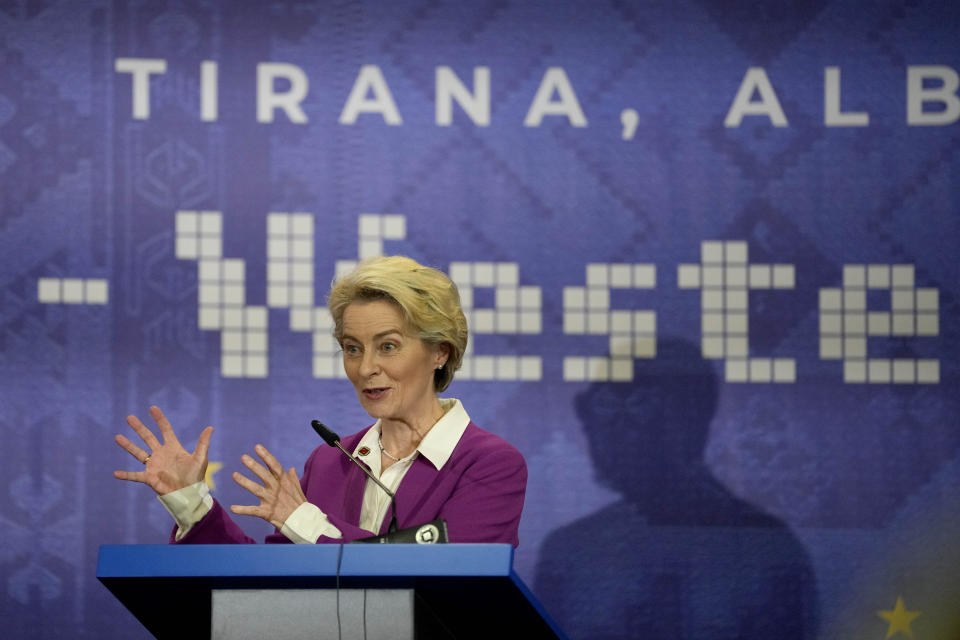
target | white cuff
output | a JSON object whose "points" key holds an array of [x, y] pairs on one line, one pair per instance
{"points": [[307, 523], [188, 505]]}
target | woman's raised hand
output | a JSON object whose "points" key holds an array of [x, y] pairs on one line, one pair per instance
{"points": [[167, 466], [280, 494]]}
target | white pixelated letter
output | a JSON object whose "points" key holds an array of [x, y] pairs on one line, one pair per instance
{"points": [[516, 310], [222, 295], [73, 291], [586, 310], [846, 323], [290, 276], [372, 230], [724, 277]]}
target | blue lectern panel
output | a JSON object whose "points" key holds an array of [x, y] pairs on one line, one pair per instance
{"points": [[456, 586]]}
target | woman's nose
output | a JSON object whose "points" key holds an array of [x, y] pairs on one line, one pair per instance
{"points": [[369, 363]]}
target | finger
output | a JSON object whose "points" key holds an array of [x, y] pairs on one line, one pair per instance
{"points": [[246, 510], [268, 479], [145, 434], [203, 444], [291, 477], [249, 485], [165, 429], [275, 467], [298, 490], [132, 476], [131, 448]]}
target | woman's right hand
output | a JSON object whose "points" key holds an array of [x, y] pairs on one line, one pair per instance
{"points": [[168, 466]]}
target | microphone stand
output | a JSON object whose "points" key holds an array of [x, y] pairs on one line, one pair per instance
{"points": [[333, 440]]}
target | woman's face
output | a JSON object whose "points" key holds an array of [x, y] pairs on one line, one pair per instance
{"points": [[391, 368]]}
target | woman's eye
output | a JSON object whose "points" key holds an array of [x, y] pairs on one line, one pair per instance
{"points": [[351, 349], [388, 346]]}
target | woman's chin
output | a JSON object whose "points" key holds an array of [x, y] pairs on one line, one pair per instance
{"points": [[376, 407]]}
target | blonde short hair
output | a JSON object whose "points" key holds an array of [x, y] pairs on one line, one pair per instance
{"points": [[427, 298]]}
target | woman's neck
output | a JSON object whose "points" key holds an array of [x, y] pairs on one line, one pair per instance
{"points": [[401, 437]]}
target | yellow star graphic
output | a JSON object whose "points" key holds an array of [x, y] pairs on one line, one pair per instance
{"points": [[899, 619], [212, 468]]}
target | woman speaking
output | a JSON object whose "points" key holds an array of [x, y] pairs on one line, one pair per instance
{"points": [[403, 336]]}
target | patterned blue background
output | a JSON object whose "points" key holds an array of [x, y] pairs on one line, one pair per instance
{"points": [[678, 505]]}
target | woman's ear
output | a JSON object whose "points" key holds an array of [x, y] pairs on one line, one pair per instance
{"points": [[442, 355]]}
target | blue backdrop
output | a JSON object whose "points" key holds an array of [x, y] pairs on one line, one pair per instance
{"points": [[708, 253]]}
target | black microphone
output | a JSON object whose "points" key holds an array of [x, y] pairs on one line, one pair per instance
{"points": [[328, 436], [333, 440]]}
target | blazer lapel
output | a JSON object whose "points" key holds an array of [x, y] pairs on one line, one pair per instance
{"points": [[356, 482]]}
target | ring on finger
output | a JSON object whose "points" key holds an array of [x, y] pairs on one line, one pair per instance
{"points": [[146, 460]]}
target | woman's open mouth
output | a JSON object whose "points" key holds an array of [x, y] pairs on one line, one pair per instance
{"points": [[375, 393]]}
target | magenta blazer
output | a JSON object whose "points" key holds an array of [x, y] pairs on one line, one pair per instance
{"points": [[479, 492]]}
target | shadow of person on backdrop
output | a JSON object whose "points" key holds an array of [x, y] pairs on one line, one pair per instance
{"points": [[678, 556]]}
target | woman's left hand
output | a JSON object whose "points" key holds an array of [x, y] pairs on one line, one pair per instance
{"points": [[280, 494]]}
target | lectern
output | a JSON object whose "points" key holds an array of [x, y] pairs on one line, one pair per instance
{"points": [[324, 591]]}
